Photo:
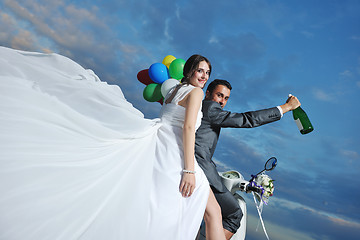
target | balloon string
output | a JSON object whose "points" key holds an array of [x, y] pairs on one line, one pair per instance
{"points": [[259, 212]]}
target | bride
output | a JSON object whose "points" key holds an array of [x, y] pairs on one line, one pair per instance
{"points": [[77, 161]]}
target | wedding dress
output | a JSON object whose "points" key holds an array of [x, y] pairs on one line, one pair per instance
{"points": [[77, 161]]}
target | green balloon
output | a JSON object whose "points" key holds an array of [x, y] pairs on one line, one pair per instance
{"points": [[176, 68], [152, 92]]}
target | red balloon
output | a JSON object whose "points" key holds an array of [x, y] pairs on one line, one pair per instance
{"points": [[143, 77]]}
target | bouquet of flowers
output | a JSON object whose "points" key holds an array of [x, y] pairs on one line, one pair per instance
{"points": [[265, 183]]}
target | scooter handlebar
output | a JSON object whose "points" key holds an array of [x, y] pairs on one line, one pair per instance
{"points": [[253, 189]]}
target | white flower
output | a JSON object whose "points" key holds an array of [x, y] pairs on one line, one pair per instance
{"points": [[266, 183]]}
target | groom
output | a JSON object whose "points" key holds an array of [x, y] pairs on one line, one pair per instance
{"points": [[215, 118]]}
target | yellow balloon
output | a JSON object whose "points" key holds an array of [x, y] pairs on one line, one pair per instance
{"points": [[167, 60]]}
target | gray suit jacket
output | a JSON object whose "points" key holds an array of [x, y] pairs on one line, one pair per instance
{"points": [[215, 118]]}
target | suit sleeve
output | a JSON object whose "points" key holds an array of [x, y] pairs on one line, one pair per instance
{"points": [[224, 119]]}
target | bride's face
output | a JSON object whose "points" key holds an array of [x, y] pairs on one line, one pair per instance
{"points": [[201, 75]]}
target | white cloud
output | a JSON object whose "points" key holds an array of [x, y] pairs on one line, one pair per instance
{"points": [[6, 23], [322, 95], [213, 40], [278, 229], [274, 231], [81, 33], [350, 154], [356, 38], [6, 19], [307, 34], [14, 34], [23, 40], [222, 166], [346, 73], [177, 11], [67, 26], [291, 205], [166, 29], [34, 19]]}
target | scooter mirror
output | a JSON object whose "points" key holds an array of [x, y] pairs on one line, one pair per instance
{"points": [[270, 164]]}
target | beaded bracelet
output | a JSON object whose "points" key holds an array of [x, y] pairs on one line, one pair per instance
{"points": [[188, 171]]}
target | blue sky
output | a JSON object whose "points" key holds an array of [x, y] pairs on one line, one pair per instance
{"points": [[266, 49]]}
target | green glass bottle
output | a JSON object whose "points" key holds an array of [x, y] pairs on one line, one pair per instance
{"points": [[302, 121]]}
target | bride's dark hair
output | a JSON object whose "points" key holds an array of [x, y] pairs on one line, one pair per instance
{"points": [[191, 65]]}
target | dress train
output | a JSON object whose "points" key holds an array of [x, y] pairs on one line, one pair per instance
{"points": [[77, 161]]}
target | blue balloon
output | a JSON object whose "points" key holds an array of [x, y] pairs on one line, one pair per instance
{"points": [[159, 73]]}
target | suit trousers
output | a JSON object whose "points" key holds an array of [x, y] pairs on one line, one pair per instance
{"points": [[230, 209]]}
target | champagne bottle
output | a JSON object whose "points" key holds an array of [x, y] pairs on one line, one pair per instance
{"points": [[302, 120]]}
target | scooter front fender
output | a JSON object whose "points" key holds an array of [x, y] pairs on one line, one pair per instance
{"points": [[241, 232]]}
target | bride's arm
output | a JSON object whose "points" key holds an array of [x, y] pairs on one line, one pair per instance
{"points": [[192, 104]]}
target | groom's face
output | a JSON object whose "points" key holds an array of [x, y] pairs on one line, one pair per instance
{"points": [[220, 94]]}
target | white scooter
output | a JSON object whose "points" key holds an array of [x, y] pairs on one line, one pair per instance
{"points": [[260, 185]]}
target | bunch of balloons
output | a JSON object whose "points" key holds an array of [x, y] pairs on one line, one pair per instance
{"points": [[161, 77]]}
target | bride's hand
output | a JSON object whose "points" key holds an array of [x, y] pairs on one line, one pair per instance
{"points": [[187, 184]]}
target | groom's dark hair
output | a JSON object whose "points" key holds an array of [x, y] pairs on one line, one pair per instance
{"points": [[216, 82]]}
